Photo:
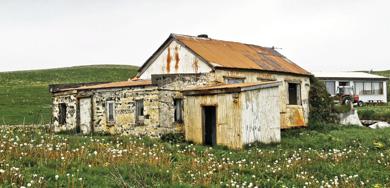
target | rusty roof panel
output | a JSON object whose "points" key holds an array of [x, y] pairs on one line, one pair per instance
{"points": [[230, 54]]}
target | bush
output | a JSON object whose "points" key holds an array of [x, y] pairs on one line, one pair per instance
{"points": [[340, 108], [321, 104], [366, 114], [374, 115], [173, 138]]}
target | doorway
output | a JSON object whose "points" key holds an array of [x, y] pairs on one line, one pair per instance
{"points": [[85, 115], [342, 83], [209, 125]]}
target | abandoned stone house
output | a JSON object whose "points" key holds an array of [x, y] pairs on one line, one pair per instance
{"points": [[214, 91]]}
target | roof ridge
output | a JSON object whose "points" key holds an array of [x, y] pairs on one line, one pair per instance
{"points": [[221, 40]]}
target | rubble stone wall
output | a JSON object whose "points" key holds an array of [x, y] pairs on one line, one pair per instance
{"points": [[70, 100]]}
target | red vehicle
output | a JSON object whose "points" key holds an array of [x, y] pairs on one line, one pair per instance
{"points": [[345, 95]]}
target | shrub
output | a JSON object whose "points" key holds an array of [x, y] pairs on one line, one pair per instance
{"points": [[321, 104], [173, 137], [374, 115], [340, 108], [366, 114]]}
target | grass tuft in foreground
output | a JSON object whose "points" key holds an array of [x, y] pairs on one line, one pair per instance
{"points": [[325, 155]]}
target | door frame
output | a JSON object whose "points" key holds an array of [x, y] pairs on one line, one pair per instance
{"points": [[204, 124], [78, 124]]}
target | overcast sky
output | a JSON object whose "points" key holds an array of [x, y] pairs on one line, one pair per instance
{"points": [[317, 35]]}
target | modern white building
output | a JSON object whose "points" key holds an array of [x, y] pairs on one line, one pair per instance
{"points": [[369, 87]]}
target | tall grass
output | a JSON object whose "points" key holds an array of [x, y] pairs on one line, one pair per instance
{"points": [[326, 155]]}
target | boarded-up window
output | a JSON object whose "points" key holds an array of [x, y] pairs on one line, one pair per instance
{"points": [[294, 93], [110, 111], [330, 87], [261, 79], [139, 109], [178, 103], [234, 80], [62, 114]]}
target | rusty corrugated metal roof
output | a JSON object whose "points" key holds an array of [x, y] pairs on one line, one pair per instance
{"points": [[228, 54], [225, 88], [112, 85]]}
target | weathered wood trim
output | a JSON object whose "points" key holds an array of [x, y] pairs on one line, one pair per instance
{"points": [[64, 93]]}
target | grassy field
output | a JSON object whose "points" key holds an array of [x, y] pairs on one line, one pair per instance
{"points": [[25, 98], [329, 156]]}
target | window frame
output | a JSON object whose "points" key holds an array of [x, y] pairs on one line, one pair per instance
{"points": [[179, 119], [228, 79], [139, 112], [371, 90], [298, 93], [334, 87], [62, 113], [108, 103]]}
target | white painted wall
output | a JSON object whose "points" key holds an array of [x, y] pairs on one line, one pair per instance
{"points": [[365, 98], [261, 116], [85, 115], [166, 62], [383, 97]]}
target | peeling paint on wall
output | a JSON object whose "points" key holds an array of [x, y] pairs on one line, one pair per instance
{"points": [[287, 116], [183, 59], [177, 58], [169, 59], [195, 65]]}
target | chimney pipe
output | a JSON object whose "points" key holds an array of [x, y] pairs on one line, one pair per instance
{"points": [[203, 36]]}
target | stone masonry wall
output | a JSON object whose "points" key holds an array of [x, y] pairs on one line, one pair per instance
{"points": [[71, 115], [125, 110], [170, 87]]}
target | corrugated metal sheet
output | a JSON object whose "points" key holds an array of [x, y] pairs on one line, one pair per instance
{"points": [[229, 54]]}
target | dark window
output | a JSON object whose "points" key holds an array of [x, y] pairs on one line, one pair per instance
{"points": [[178, 103], [111, 111], [139, 105], [294, 93], [343, 83], [62, 113]]}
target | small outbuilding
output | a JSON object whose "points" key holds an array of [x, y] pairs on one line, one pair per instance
{"points": [[233, 114]]}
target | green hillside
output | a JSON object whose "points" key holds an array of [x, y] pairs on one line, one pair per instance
{"points": [[25, 98]]}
